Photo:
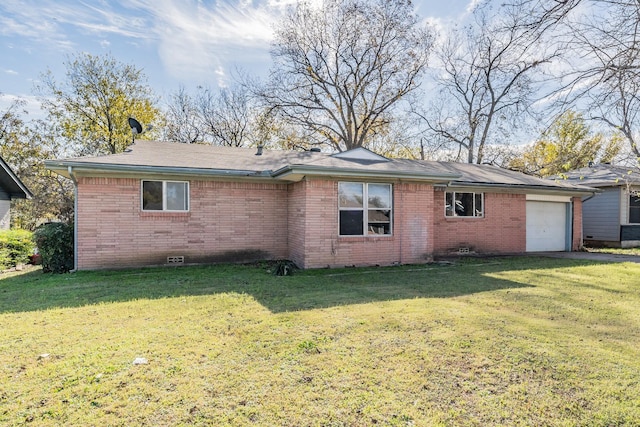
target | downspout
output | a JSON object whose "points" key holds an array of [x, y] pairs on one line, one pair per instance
{"points": [[75, 217], [569, 233]]}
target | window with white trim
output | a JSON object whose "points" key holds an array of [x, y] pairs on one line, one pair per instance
{"points": [[365, 209], [165, 196], [464, 204]]}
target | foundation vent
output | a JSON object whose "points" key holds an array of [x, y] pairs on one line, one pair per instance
{"points": [[175, 260], [463, 251]]}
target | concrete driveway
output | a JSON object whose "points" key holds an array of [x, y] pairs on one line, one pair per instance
{"points": [[594, 256]]}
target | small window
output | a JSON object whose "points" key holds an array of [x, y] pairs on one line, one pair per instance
{"points": [[165, 196], [464, 204], [365, 209], [634, 209]]}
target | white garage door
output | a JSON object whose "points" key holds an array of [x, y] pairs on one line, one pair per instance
{"points": [[546, 226]]}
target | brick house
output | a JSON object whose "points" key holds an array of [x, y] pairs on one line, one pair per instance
{"points": [[160, 203]]}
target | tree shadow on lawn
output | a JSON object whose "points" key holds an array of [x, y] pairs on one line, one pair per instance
{"points": [[308, 289]]}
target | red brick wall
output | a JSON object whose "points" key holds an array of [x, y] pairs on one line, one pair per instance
{"points": [[296, 221], [322, 247], [503, 229], [577, 242], [236, 221], [227, 221]]}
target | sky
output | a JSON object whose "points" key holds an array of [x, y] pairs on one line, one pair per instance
{"points": [[175, 43]]}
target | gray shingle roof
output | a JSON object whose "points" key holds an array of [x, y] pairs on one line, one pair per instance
{"points": [[601, 175], [190, 159]]}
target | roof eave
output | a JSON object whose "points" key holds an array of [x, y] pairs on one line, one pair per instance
{"points": [[296, 173], [524, 188], [61, 167], [24, 193]]}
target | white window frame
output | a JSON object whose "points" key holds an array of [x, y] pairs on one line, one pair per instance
{"points": [[453, 197], [365, 210], [164, 196]]}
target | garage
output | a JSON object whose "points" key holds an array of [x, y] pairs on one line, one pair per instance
{"points": [[547, 224]]}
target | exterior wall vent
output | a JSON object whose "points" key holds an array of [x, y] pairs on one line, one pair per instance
{"points": [[175, 260], [463, 250]]}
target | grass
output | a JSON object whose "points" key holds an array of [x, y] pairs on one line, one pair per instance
{"points": [[617, 251], [505, 341]]}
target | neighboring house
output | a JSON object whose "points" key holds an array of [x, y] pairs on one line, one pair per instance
{"points": [[160, 203], [10, 188], [612, 216]]}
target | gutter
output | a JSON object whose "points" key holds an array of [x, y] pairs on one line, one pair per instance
{"points": [[108, 167], [524, 187], [326, 171], [75, 217]]}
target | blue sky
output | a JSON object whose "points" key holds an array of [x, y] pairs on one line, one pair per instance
{"points": [[175, 42]]}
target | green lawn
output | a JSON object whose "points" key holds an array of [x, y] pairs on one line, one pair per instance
{"points": [[618, 251], [484, 342]]}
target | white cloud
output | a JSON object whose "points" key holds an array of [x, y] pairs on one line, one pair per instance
{"points": [[196, 39], [192, 38], [31, 105], [12, 72], [472, 5]]}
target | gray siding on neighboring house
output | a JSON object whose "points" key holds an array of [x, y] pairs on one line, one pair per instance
{"points": [[601, 216]]}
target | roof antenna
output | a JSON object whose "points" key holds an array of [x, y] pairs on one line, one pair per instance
{"points": [[136, 129]]}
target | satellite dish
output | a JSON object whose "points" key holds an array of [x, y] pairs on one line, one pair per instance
{"points": [[136, 127]]}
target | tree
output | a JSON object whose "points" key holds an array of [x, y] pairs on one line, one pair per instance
{"points": [[341, 69], [93, 104], [25, 147], [567, 145], [229, 117], [487, 82], [183, 119], [608, 46]]}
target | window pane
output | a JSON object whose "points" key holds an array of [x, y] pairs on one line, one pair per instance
{"points": [[351, 223], [479, 208], [379, 221], [377, 228], [350, 195], [379, 196], [152, 195], [176, 196], [448, 201], [634, 209], [377, 215], [464, 204]]}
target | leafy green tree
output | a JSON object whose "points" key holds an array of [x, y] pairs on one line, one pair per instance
{"points": [[568, 144], [92, 105], [25, 146]]}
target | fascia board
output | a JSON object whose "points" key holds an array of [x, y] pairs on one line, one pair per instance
{"points": [[301, 171], [522, 188], [61, 167]]}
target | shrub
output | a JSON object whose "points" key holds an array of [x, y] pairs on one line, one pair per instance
{"points": [[55, 243], [284, 268], [15, 247]]}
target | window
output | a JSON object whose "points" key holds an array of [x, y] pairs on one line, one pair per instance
{"points": [[464, 204], [634, 209], [365, 209], [165, 196]]}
